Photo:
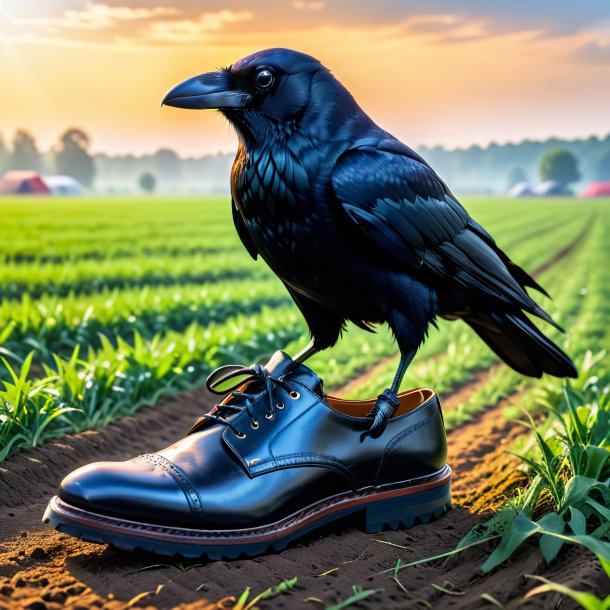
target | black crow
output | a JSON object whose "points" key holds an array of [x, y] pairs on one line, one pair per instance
{"points": [[356, 224]]}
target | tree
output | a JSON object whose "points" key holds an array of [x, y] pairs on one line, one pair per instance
{"points": [[601, 164], [147, 182], [4, 155], [168, 165], [516, 175], [25, 155], [73, 158], [559, 165]]}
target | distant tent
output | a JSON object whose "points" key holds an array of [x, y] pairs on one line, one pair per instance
{"points": [[597, 189], [521, 189], [550, 188], [64, 185], [23, 183]]}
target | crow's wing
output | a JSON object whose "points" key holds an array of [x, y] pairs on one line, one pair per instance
{"points": [[242, 231], [400, 203]]}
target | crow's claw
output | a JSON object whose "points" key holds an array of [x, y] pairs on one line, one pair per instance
{"points": [[386, 405]]}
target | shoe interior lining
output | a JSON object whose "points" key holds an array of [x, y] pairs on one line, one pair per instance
{"points": [[359, 408]]}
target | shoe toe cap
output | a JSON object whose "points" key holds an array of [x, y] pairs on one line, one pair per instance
{"points": [[143, 490]]}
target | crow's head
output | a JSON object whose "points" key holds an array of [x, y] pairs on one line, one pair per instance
{"points": [[266, 92]]}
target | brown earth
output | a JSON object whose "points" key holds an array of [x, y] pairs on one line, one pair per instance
{"points": [[42, 569]]}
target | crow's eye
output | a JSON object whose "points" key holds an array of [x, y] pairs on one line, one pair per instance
{"points": [[264, 79]]}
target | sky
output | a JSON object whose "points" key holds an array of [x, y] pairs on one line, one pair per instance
{"points": [[432, 72]]}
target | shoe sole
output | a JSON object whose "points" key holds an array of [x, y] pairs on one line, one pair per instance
{"points": [[416, 501]]}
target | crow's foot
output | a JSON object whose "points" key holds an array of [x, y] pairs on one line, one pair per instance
{"points": [[385, 406]]}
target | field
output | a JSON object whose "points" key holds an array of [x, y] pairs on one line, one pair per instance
{"points": [[113, 312]]}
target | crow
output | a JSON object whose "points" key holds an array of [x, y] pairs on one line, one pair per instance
{"points": [[357, 225]]}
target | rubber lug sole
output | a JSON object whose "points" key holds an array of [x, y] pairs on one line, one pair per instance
{"points": [[375, 510]]}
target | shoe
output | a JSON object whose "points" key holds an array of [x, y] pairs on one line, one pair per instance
{"points": [[273, 461]]}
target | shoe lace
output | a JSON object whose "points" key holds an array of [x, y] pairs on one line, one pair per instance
{"points": [[236, 376]]}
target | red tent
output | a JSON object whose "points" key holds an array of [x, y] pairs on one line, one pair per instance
{"points": [[23, 183], [597, 189]]}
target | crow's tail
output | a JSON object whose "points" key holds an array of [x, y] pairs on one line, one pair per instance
{"points": [[513, 337]]}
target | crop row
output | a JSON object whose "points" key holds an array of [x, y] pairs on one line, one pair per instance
{"points": [[122, 245], [139, 370], [54, 324], [115, 380], [159, 254], [89, 391], [59, 239], [88, 276], [58, 325]]}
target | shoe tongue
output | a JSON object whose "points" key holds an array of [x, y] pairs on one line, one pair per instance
{"points": [[282, 365]]}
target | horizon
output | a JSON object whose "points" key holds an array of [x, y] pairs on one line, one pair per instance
{"points": [[150, 153], [433, 73]]}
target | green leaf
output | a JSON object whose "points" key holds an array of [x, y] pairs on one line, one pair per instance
{"points": [[577, 523], [600, 548], [13, 444], [358, 595], [603, 511], [462, 546], [596, 459], [588, 601], [271, 592], [551, 545], [516, 533], [577, 488], [243, 598], [7, 331]]}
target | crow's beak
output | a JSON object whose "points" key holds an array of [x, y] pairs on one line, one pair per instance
{"points": [[211, 90]]}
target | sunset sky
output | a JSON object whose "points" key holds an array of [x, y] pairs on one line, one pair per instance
{"points": [[444, 72]]}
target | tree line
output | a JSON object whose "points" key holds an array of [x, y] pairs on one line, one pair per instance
{"points": [[493, 168]]}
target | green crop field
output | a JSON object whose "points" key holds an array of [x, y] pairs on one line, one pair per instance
{"points": [[107, 305], [111, 305]]}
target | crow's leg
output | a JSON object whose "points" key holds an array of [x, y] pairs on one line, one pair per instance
{"points": [[307, 352], [403, 365], [387, 401]]}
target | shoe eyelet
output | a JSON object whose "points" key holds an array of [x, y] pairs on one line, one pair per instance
{"points": [[240, 435], [280, 405], [294, 395], [269, 415], [254, 424]]}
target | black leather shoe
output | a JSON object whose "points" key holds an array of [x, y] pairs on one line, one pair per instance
{"points": [[273, 461]]}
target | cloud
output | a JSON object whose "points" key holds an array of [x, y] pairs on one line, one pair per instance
{"points": [[446, 28], [594, 52], [103, 23], [94, 16], [193, 30], [309, 5]]}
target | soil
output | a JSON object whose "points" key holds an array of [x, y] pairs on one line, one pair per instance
{"points": [[42, 569]]}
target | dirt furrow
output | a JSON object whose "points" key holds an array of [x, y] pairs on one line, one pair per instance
{"points": [[485, 473]]}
